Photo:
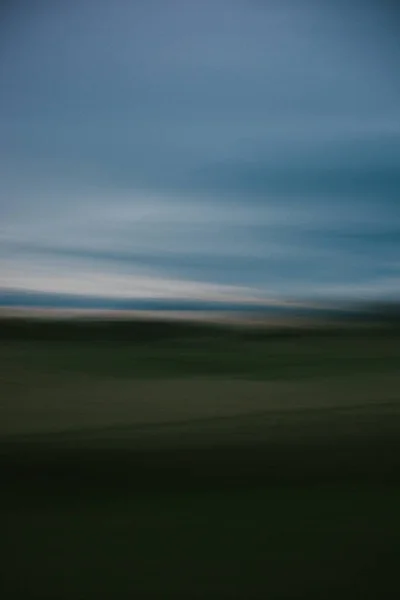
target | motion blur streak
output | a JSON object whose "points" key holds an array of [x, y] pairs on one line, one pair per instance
{"points": [[199, 299]]}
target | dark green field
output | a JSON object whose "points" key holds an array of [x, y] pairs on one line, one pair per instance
{"points": [[182, 351], [262, 542], [207, 466]]}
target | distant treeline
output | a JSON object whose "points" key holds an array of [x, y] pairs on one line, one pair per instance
{"points": [[101, 329], [149, 330]]}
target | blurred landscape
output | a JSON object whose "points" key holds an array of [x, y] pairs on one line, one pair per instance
{"points": [[181, 421], [199, 300]]}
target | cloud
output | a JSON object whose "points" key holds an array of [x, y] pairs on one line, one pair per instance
{"points": [[81, 277], [233, 144], [373, 289], [271, 246]]}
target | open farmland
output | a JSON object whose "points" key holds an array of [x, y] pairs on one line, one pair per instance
{"points": [[207, 468], [177, 388]]}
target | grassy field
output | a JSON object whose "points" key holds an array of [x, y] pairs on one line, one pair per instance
{"points": [[285, 357], [274, 542], [215, 467]]}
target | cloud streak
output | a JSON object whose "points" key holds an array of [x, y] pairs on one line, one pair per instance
{"points": [[232, 144]]}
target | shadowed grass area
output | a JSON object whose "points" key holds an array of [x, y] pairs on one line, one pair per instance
{"points": [[305, 506], [268, 358], [114, 486], [81, 540]]}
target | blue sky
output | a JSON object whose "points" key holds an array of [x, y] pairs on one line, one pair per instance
{"points": [[213, 149]]}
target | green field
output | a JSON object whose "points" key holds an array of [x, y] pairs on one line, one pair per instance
{"points": [[233, 355], [268, 542], [221, 466]]}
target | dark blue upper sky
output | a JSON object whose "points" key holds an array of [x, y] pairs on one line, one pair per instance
{"points": [[207, 149]]}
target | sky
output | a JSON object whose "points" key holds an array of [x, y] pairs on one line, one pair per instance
{"points": [[207, 149]]}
